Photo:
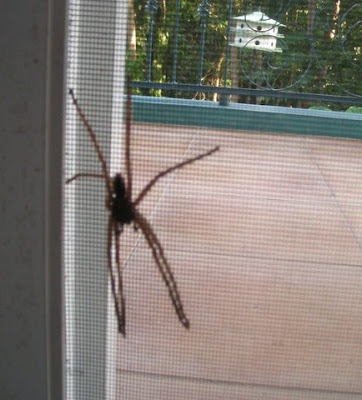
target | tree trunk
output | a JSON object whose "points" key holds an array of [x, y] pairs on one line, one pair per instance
{"points": [[312, 9], [259, 60], [131, 31], [218, 75], [234, 68], [234, 72]]}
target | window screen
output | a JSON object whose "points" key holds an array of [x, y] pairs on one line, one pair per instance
{"points": [[258, 240]]}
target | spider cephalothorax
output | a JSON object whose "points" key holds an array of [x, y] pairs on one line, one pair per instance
{"points": [[120, 206], [123, 210]]}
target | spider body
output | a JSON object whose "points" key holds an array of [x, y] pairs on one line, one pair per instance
{"points": [[120, 206], [123, 210]]}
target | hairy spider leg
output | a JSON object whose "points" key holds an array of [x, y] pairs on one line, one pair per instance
{"points": [[95, 142], [118, 304], [118, 228], [128, 141], [83, 175], [168, 170], [163, 266]]}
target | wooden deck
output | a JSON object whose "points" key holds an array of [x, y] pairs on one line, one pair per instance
{"points": [[265, 241]]}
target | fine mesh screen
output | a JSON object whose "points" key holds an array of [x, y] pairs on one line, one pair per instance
{"points": [[264, 236]]}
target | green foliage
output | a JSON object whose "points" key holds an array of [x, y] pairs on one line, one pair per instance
{"points": [[322, 58], [322, 108], [354, 109]]}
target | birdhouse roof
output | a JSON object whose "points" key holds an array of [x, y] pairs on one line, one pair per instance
{"points": [[259, 17]]}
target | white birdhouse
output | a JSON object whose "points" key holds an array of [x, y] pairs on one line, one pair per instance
{"points": [[257, 31]]}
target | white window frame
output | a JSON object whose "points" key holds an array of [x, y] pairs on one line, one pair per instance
{"points": [[99, 372]]}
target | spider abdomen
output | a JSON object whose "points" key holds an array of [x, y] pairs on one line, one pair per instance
{"points": [[121, 207]]}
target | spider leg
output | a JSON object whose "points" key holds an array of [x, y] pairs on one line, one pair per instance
{"points": [[128, 140], [118, 228], [82, 175], [121, 327], [163, 266], [168, 170], [95, 142]]}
